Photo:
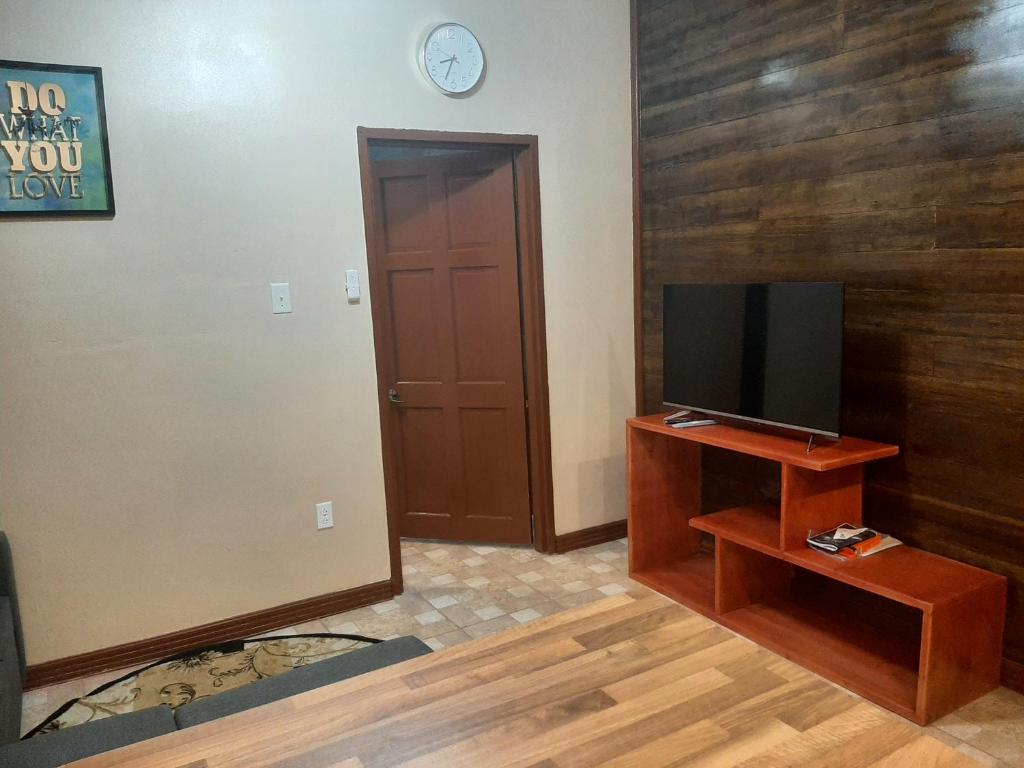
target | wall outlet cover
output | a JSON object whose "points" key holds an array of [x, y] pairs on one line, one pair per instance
{"points": [[324, 515], [281, 298]]}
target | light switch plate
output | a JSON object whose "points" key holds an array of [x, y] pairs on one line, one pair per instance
{"points": [[281, 298], [352, 284]]}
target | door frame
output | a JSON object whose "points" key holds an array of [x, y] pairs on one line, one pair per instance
{"points": [[526, 169]]}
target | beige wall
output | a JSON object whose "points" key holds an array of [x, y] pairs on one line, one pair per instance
{"points": [[163, 436]]}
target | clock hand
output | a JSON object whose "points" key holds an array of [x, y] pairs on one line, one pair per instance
{"points": [[451, 63]]}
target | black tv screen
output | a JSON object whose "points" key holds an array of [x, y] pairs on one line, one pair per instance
{"points": [[767, 352]]}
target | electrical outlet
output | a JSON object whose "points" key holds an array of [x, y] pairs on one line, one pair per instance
{"points": [[281, 298], [324, 515]]}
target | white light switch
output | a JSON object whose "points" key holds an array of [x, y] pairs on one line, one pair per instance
{"points": [[352, 284], [281, 298]]}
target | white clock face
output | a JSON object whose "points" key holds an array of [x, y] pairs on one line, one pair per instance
{"points": [[453, 58]]}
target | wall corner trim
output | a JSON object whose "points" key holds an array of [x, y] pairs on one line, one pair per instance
{"points": [[589, 537]]}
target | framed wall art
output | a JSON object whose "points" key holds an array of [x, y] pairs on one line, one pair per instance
{"points": [[54, 157]]}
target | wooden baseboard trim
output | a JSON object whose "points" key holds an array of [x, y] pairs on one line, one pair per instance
{"points": [[1013, 675], [588, 537], [246, 625]]}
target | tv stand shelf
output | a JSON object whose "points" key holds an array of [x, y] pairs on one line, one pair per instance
{"points": [[915, 632]]}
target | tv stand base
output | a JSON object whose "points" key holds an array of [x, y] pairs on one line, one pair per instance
{"points": [[912, 631]]}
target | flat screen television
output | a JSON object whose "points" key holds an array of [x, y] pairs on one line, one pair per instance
{"points": [[770, 353]]}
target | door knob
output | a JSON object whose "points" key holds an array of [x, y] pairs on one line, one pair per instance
{"points": [[393, 397]]}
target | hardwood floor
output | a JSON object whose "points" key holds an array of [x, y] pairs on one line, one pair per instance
{"points": [[621, 682]]}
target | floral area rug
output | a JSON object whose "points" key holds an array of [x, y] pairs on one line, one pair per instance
{"points": [[198, 674]]}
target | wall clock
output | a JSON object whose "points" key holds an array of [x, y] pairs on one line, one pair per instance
{"points": [[452, 59]]}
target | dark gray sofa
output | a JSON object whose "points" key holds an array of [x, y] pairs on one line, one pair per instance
{"points": [[12, 649], [56, 749], [10, 677]]}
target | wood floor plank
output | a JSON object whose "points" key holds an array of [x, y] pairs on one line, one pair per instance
{"points": [[393, 697], [621, 683], [413, 729], [682, 743], [380, 701], [736, 750], [681, 713], [464, 657], [825, 705], [720, 653], [874, 744], [601, 738], [429, 728], [529, 738], [825, 738], [766, 705], [627, 629], [925, 752]]}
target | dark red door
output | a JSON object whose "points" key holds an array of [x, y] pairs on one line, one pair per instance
{"points": [[449, 345]]}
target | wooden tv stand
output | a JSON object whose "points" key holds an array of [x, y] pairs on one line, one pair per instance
{"points": [[916, 633]]}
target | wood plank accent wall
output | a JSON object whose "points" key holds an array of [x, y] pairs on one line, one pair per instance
{"points": [[880, 144]]}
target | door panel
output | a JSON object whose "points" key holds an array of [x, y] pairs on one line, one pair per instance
{"points": [[447, 269], [406, 205], [470, 203], [476, 298], [485, 469], [422, 460], [417, 332]]}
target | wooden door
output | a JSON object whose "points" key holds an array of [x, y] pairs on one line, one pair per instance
{"points": [[449, 346]]}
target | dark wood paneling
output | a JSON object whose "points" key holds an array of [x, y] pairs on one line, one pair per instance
{"points": [[235, 628], [879, 144], [973, 37], [1013, 675]]}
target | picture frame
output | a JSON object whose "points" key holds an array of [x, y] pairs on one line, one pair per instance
{"points": [[54, 150]]}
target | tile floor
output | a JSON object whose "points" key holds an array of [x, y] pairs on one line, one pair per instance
{"points": [[457, 592]]}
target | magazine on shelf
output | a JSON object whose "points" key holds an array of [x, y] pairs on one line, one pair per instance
{"points": [[851, 541]]}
